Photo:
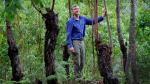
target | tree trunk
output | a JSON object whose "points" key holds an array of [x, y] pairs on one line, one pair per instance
{"points": [[66, 55], [13, 53], [127, 70], [132, 46], [52, 31], [104, 62], [123, 47]]}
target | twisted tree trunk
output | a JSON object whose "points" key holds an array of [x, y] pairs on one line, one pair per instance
{"points": [[13, 54], [104, 62], [52, 30], [104, 52]]}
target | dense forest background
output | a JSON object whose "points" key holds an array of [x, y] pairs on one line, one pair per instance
{"points": [[28, 29]]}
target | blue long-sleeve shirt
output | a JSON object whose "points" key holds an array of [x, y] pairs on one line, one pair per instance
{"points": [[75, 29]]}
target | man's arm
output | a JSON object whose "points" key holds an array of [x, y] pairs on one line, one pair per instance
{"points": [[89, 21], [69, 28]]}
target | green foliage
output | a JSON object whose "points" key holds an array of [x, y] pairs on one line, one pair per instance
{"points": [[51, 77], [27, 21], [12, 82], [143, 18], [60, 71], [11, 10], [40, 3], [143, 42]]}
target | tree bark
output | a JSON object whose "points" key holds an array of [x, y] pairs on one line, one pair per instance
{"points": [[52, 31], [103, 54], [104, 62], [132, 46], [96, 20], [13, 53], [127, 70], [123, 47]]}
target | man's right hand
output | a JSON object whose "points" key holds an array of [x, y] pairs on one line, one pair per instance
{"points": [[71, 50], [105, 13]]}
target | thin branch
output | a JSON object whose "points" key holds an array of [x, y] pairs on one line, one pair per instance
{"points": [[92, 39], [69, 8], [53, 5], [40, 11], [111, 42], [96, 20]]}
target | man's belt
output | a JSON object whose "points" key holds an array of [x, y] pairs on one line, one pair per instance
{"points": [[78, 39]]}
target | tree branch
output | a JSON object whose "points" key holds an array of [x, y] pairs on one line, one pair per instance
{"points": [[111, 42], [92, 39], [53, 5], [39, 10], [96, 20], [69, 8]]}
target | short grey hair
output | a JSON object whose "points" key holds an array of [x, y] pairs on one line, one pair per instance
{"points": [[73, 7]]}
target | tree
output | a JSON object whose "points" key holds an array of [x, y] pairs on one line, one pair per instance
{"points": [[104, 52], [52, 31], [123, 46], [132, 46], [13, 53]]}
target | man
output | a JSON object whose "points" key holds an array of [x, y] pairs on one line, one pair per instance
{"points": [[75, 31]]}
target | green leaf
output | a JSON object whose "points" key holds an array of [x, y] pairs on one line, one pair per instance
{"points": [[16, 2], [3, 14], [24, 81], [13, 9], [42, 4], [36, 2], [8, 10], [8, 2], [51, 77], [19, 6], [10, 17]]}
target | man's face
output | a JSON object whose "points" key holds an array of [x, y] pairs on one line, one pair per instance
{"points": [[76, 10]]}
